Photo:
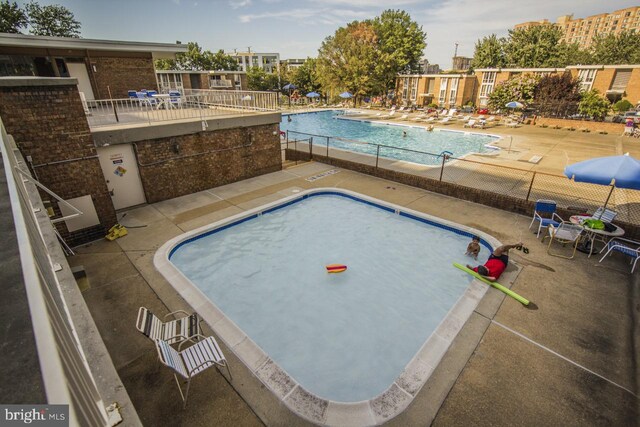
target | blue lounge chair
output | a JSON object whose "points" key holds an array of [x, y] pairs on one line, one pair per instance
{"points": [[545, 214]]}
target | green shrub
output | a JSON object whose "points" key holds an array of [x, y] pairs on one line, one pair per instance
{"points": [[622, 106]]}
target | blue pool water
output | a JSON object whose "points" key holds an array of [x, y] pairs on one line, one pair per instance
{"points": [[360, 136], [344, 337]]}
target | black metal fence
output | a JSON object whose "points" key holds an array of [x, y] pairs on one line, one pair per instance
{"points": [[503, 180]]}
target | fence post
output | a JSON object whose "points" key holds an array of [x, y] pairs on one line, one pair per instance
{"points": [[310, 148], [530, 186], [377, 156], [327, 147], [444, 159]]}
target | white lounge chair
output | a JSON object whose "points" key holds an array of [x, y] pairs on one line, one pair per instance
{"points": [[403, 117], [627, 247], [471, 123], [388, 116], [445, 121], [173, 331], [566, 232], [191, 361]]}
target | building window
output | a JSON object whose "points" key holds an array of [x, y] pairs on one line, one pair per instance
{"points": [[405, 88], [586, 79], [442, 97], [486, 87], [414, 89], [453, 92]]}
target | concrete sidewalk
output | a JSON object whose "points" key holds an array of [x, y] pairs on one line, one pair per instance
{"points": [[570, 362]]}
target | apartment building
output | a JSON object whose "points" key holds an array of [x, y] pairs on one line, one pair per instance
{"points": [[180, 80], [448, 90], [292, 64], [269, 62], [583, 30]]}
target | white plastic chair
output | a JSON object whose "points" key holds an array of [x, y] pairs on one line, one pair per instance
{"points": [[627, 247], [191, 361], [565, 233]]}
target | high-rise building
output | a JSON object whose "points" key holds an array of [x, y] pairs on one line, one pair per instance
{"points": [[461, 63], [584, 30]]}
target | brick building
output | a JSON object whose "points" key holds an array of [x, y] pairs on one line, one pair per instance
{"points": [[583, 30], [448, 90], [104, 68]]}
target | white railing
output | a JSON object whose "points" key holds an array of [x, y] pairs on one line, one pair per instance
{"points": [[65, 372], [221, 83], [193, 104]]}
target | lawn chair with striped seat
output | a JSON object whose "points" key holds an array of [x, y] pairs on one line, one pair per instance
{"points": [[604, 215], [173, 331], [545, 213], [624, 246], [191, 361]]}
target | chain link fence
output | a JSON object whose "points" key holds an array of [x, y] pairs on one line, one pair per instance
{"points": [[521, 184]]}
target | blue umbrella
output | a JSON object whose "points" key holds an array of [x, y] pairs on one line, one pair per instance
{"points": [[313, 94], [616, 171], [514, 104], [290, 86], [345, 95]]}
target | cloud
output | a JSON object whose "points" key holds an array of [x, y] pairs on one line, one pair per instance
{"points": [[312, 15], [236, 4], [387, 4], [176, 1]]}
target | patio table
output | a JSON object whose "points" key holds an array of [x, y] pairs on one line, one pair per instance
{"points": [[164, 100], [592, 234]]}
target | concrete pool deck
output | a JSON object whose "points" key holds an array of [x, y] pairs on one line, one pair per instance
{"points": [[570, 362]]}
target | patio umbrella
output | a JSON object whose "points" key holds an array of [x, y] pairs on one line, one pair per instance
{"points": [[514, 104], [616, 171], [313, 95], [289, 87], [346, 95]]}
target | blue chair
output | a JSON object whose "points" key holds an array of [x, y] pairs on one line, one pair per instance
{"points": [[624, 246], [132, 94], [545, 214]]}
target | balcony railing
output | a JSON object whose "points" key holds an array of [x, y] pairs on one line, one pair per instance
{"points": [[221, 83], [192, 104]]}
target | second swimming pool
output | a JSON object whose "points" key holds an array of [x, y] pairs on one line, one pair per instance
{"points": [[363, 136]]}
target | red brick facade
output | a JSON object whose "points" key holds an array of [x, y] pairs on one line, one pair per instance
{"points": [[175, 166], [48, 124], [119, 75]]}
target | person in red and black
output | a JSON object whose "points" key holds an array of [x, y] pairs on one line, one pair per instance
{"points": [[496, 264]]}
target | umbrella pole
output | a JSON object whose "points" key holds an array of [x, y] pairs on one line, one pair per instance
{"points": [[608, 197]]}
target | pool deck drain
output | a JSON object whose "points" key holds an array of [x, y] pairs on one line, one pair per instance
{"points": [[488, 375]]}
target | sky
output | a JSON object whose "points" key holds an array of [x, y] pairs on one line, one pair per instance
{"points": [[296, 28]]}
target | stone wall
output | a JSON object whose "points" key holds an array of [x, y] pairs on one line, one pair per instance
{"points": [[48, 124], [119, 75], [179, 165]]}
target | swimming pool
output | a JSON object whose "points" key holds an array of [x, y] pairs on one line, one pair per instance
{"points": [[259, 280], [362, 136]]}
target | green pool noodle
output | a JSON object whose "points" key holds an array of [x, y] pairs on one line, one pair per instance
{"points": [[496, 285]]}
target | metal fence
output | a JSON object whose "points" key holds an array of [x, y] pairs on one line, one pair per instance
{"points": [[193, 104], [66, 375], [518, 183]]}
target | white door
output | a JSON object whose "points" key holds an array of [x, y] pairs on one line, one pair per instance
{"points": [[121, 174], [79, 71]]}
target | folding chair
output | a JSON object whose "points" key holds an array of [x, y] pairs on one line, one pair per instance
{"points": [[173, 331], [191, 361], [627, 247], [564, 233], [545, 213]]}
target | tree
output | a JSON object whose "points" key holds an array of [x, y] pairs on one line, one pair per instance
{"points": [[557, 95], [571, 54], [222, 61], [259, 79], [12, 17], [53, 20], [347, 60], [622, 106], [534, 47], [305, 77], [520, 89], [489, 53], [594, 105], [621, 48], [401, 42]]}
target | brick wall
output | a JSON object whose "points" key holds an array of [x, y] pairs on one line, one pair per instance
{"points": [[48, 124], [122, 75], [206, 159]]}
